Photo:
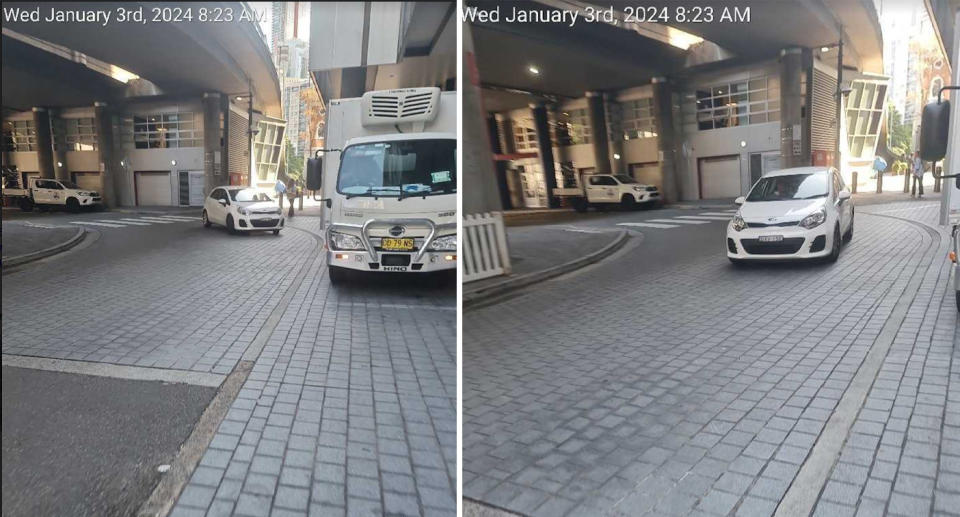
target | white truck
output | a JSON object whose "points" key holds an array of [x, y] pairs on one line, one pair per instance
{"points": [[389, 182], [45, 193], [604, 190]]}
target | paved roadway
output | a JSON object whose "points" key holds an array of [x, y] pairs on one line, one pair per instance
{"points": [[664, 381], [348, 404]]}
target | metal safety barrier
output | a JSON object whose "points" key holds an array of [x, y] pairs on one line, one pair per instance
{"points": [[484, 242]]}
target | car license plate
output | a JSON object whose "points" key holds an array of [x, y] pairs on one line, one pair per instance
{"points": [[771, 238], [392, 244]]}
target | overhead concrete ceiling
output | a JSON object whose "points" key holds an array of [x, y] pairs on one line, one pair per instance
{"points": [[184, 57], [588, 56]]}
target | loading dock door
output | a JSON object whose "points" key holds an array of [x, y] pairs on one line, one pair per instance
{"points": [[87, 180], [153, 188], [719, 177]]}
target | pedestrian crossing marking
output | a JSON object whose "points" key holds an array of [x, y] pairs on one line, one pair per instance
{"points": [[125, 222], [650, 225], [671, 221], [715, 213], [92, 223], [157, 220], [133, 222], [707, 217], [179, 217]]}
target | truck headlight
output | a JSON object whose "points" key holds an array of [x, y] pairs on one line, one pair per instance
{"points": [[638, 188], [815, 219], [738, 222], [445, 243], [344, 241]]}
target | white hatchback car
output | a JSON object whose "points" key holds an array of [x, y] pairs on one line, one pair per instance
{"points": [[799, 213], [242, 209]]}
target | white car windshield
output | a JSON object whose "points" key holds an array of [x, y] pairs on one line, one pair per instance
{"points": [[792, 186], [248, 195]]}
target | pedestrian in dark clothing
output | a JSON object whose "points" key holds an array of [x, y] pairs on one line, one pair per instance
{"points": [[917, 170]]}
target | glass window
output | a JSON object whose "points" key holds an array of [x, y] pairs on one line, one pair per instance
{"points": [[638, 120], [576, 122], [755, 101], [23, 136], [167, 130]]}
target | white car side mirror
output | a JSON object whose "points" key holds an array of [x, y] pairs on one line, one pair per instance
{"points": [[844, 194], [223, 202], [739, 201]]}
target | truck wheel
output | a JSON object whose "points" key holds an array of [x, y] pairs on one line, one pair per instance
{"points": [[73, 205], [580, 205], [26, 205], [338, 275], [628, 202]]}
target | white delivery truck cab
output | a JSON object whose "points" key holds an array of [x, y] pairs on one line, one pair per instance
{"points": [[390, 182]]}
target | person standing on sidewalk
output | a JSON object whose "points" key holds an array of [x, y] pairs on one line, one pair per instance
{"points": [[917, 170]]}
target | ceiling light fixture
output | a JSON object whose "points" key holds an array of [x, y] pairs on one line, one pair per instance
{"points": [[533, 70]]}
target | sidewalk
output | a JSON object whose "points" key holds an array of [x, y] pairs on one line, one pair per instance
{"points": [[541, 252], [24, 241]]}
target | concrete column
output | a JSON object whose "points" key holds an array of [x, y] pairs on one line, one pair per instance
{"points": [[479, 176], [41, 121], [615, 138], [111, 172], [224, 124], [545, 146], [562, 156], [60, 170], [213, 171], [598, 132], [668, 139], [794, 122], [499, 166]]}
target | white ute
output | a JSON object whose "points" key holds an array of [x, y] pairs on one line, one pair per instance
{"points": [[603, 190], [390, 187], [44, 193]]}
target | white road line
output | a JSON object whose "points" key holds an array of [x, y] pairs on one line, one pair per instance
{"points": [[671, 221], [157, 220], [724, 214], [649, 225], [707, 217], [98, 224], [117, 371], [165, 218], [180, 217], [132, 222]]}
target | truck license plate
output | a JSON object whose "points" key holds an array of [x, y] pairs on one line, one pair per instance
{"points": [[771, 238], [391, 244]]}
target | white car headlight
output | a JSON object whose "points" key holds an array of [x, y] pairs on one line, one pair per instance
{"points": [[343, 241], [243, 211], [815, 219], [738, 222], [445, 243]]}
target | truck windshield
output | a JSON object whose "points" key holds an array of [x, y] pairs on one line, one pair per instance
{"points": [[793, 186], [625, 179], [401, 168], [69, 184]]}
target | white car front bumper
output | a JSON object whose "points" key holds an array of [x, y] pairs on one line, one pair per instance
{"points": [[797, 243]]}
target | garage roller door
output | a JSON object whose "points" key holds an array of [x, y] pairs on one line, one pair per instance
{"points": [[87, 180], [153, 189], [720, 177]]}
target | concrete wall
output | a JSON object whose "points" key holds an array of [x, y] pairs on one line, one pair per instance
{"points": [[25, 161]]}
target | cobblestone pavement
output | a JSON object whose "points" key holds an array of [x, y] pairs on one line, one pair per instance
{"points": [[350, 405], [693, 388]]}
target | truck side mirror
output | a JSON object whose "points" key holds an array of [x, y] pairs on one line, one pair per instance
{"points": [[934, 126], [315, 173]]}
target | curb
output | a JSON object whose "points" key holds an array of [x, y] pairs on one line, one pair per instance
{"points": [[481, 295], [44, 253]]}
